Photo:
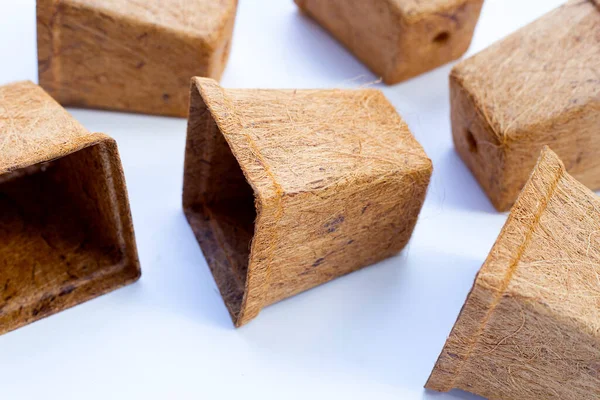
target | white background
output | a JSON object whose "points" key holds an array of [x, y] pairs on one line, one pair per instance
{"points": [[373, 334]]}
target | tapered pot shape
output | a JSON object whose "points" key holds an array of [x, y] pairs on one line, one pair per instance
{"points": [[530, 328], [288, 189], [131, 55], [537, 87], [399, 39], [66, 234]]}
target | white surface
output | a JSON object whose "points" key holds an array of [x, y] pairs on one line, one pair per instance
{"points": [[374, 334]]}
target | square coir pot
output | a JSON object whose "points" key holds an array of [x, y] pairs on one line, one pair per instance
{"points": [[131, 55], [399, 39], [288, 189], [539, 86], [66, 233], [530, 328]]}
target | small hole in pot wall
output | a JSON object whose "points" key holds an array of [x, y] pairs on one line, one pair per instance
{"points": [[471, 142], [441, 38]]}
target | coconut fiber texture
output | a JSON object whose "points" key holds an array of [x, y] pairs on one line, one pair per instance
{"points": [[288, 189], [530, 328], [65, 227], [539, 86], [399, 39], [131, 55]]}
